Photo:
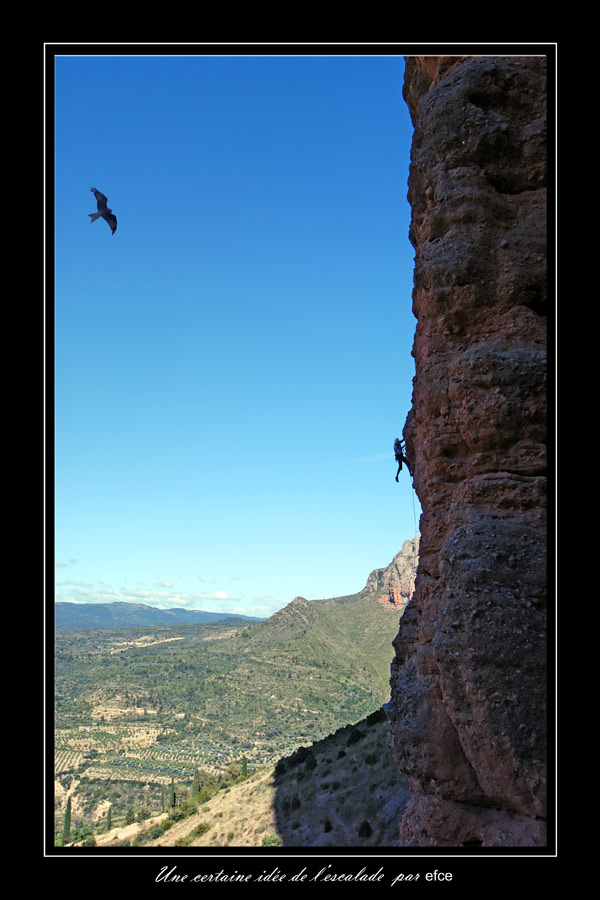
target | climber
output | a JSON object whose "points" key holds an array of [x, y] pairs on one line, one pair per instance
{"points": [[399, 450]]}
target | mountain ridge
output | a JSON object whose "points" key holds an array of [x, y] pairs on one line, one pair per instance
{"points": [[393, 583], [122, 614], [147, 709]]}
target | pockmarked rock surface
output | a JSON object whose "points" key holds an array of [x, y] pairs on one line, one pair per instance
{"points": [[468, 683]]}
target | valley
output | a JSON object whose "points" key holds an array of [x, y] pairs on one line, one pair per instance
{"points": [[138, 710], [341, 791]]}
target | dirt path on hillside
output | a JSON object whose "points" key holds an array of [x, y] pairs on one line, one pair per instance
{"points": [[128, 832]]}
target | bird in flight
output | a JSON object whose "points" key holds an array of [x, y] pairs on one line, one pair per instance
{"points": [[103, 211]]}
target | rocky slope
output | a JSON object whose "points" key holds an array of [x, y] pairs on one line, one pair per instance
{"points": [[143, 705], [341, 791], [395, 583], [468, 703]]}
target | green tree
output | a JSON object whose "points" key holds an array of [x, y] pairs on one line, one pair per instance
{"points": [[172, 793], [66, 834], [244, 767], [271, 840], [196, 781], [109, 818]]}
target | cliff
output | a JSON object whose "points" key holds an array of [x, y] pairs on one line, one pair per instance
{"points": [[468, 682], [394, 585]]}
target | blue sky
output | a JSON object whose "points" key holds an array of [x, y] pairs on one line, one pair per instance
{"points": [[234, 363]]}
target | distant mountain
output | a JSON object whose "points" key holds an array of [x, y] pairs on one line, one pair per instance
{"points": [[342, 637], [396, 582], [392, 586], [86, 616], [209, 696]]}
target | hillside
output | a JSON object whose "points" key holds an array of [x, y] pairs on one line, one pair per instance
{"points": [[342, 791], [137, 707], [84, 616]]}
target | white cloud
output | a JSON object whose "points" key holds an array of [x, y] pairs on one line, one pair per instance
{"points": [[82, 592]]}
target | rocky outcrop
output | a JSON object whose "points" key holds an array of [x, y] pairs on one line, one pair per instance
{"points": [[394, 585], [468, 684]]}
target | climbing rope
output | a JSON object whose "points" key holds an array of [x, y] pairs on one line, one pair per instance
{"points": [[412, 494]]}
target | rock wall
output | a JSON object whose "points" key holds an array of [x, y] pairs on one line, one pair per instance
{"points": [[394, 585], [468, 699]]}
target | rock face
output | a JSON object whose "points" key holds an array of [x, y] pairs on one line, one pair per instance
{"points": [[468, 699], [395, 584]]}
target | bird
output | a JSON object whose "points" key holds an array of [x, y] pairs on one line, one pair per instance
{"points": [[103, 211]]}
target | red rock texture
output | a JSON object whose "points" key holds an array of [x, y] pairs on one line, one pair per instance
{"points": [[394, 585], [468, 701]]}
